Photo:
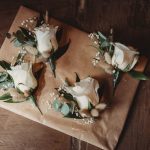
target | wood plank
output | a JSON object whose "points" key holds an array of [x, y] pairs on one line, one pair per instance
{"points": [[18, 133]]}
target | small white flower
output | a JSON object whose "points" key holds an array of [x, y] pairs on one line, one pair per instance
{"points": [[91, 36], [23, 77], [59, 89], [98, 58], [114, 71], [95, 42], [97, 36], [31, 21], [96, 61], [62, 95], [97, 54]]}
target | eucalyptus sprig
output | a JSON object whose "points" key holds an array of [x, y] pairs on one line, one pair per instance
{"points": [[6, 82], [68, 104], [22, 37], [102, 43], [69, 108], [106, 50]]}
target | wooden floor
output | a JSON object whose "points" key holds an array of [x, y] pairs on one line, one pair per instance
{"points": [[131, 22]]}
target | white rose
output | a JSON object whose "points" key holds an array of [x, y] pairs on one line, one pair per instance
{"points": [[85, 91], [124, 57], [46, 39], [23, 77]]}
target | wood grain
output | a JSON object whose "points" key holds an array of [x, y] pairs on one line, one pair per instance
{"points": [[131, 22]]}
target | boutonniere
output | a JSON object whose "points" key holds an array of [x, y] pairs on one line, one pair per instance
{"points": [[18, 82], [39, 39], [80, 100], [115, 58]]}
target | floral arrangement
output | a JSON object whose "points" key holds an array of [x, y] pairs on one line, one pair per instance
{"points": [[80, 100], [18, 82], [115, 57], [38, 41]]}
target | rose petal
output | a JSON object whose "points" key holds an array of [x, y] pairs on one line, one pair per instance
{"points": [[23, 77], [46, 39], [123, 57]]}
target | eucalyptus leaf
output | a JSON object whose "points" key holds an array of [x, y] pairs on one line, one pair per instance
{"points": [[67, 96], [105, 44], [75, 116], [3, 76], [102, 37], [6, 84], [31, 43], [116, 79], [17, 43], [5, 65], [138, 75], [12, 101], [27, 33], [65, 109], [57, 105], [8, 100], [90, 106], [20, 36], [5, 96]]}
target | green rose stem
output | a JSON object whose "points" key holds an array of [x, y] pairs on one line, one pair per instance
{"points": [[138, 75]]}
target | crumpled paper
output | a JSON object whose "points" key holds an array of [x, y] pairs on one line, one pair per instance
{"points": [[105, 132]]}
